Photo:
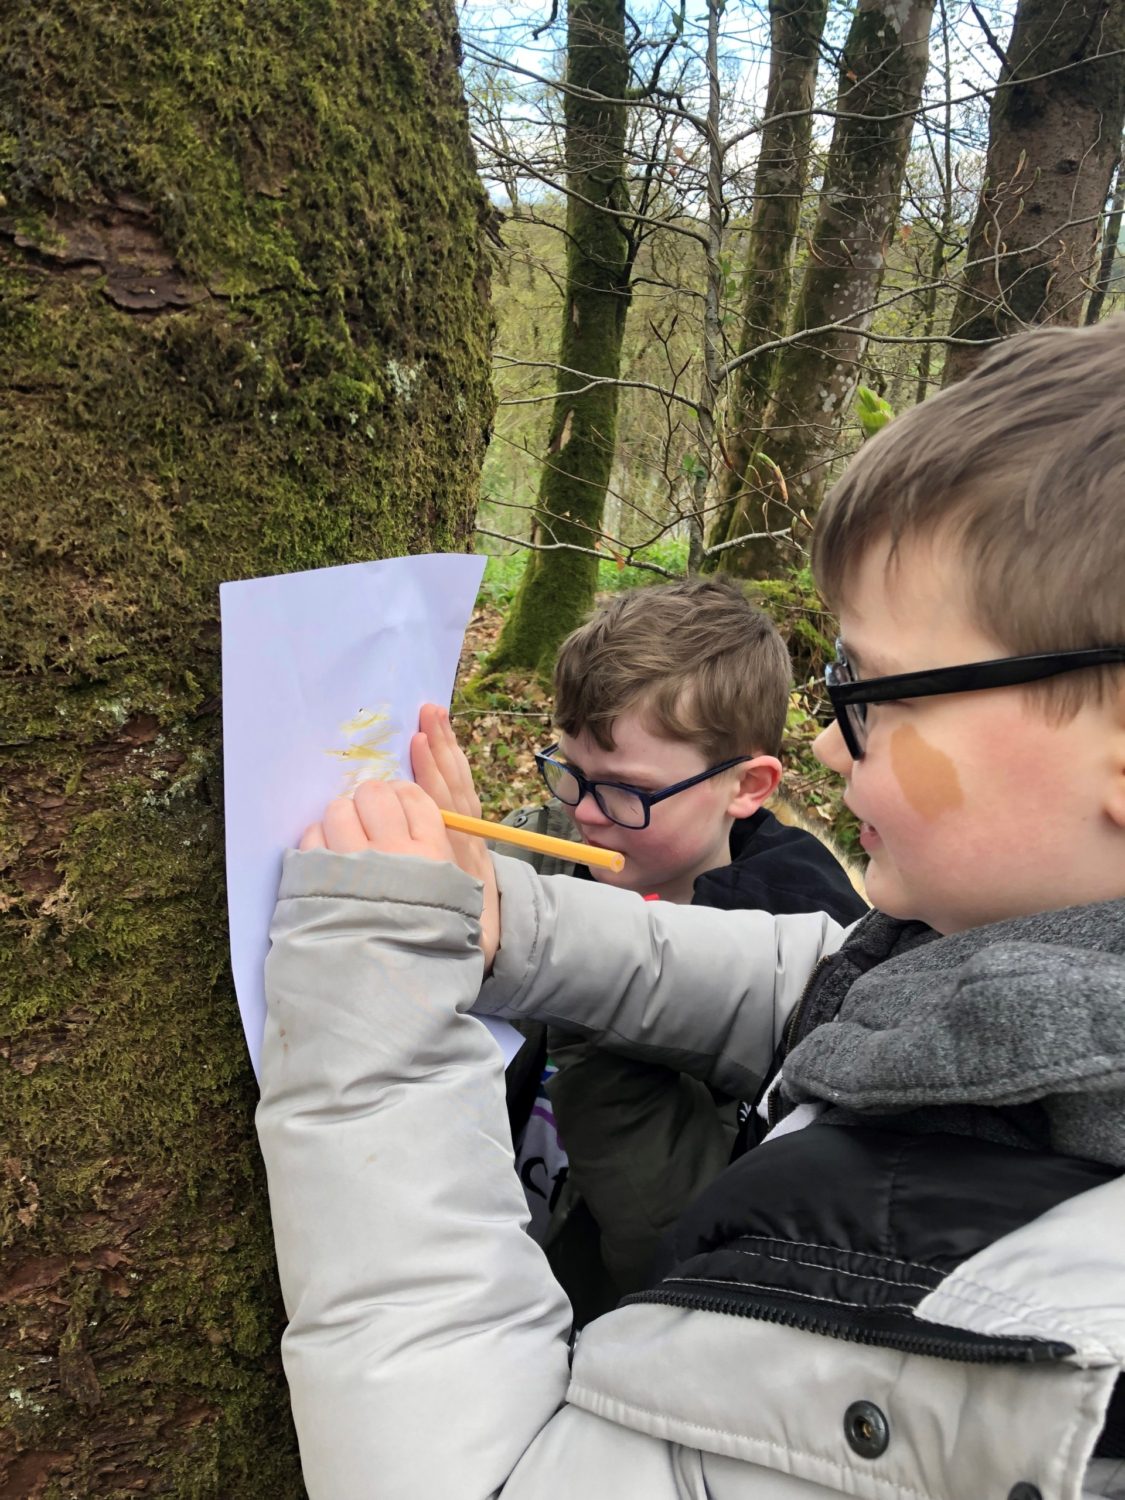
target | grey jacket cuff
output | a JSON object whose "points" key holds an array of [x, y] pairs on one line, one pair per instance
{"points": [[371, 876]]}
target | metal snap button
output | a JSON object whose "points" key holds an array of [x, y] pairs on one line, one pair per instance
{"points": [[867, 1430], [1024, 1491]]}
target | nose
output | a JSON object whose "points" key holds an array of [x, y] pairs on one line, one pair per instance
{"points": [[587, 811], [830, 750]]}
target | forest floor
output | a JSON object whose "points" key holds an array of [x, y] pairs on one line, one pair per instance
{"points": [[501, 741]]}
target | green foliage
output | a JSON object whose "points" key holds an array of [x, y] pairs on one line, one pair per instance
{"points": [[874, 413], [502, 573], [670, 552], [501, 579]]}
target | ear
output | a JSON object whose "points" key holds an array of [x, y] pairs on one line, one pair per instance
{"points": [[758, 779], [1115, 802]]}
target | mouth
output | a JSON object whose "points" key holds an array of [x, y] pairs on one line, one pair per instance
{"points": [[868, 833], [868, 836]]}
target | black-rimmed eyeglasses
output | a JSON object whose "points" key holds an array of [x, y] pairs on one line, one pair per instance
{"points": [[628, 806], [850, 695]]}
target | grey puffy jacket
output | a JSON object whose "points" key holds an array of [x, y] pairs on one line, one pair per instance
{"points": [[427, 1345]]}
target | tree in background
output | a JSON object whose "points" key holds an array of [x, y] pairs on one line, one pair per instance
{"points": [[882, 258], [558, 584], [1111, 235], [244, 330], [882, 71], [680, 170], [1054, 135], [780, 179]]}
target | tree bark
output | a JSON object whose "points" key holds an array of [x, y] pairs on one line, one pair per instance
{"points": [[1054, 130], [796, 29], [881, 75], [243, 330], [557, 588]]}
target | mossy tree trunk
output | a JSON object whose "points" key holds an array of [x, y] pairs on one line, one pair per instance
{"points": [[1054, 133], [243, 330], [796, 31], [557, 588], [882, 69]]}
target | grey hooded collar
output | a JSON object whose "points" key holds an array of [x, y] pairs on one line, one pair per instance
{"points": [[946, 1032]]}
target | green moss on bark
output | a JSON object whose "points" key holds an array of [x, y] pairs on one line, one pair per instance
{"points": [[243, 330]]}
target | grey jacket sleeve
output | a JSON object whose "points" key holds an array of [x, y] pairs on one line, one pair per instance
{"points": [[700, 990], [427, 1338]]}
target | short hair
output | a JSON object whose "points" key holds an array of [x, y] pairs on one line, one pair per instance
{"points": [[1021, 466], [695, 657]]}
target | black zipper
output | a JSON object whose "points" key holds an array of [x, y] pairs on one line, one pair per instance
{"points": [[891, 1333]]}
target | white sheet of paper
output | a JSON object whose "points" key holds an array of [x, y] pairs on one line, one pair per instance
{"points": [[323, 676]]}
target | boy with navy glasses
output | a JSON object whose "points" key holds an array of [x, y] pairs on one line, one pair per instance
{"points": [[670, 706], [915, 1286]]}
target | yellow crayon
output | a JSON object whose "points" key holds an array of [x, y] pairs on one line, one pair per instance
{"points": [[584, 854]]}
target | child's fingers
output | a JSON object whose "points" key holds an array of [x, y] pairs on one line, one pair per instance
{"points": [[426, 772], [380, 816], [449, 759], [343, 831], [467, 851], [312, 838], [423, 820]]}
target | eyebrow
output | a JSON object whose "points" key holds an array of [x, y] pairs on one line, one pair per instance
{"points": [[636, 780], [870, 666]]}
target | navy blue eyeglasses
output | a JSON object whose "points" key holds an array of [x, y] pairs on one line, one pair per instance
{"points": [[628, 806], [851, 695]]}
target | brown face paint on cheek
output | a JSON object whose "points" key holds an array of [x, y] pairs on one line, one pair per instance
{"points": [[926, 776]]}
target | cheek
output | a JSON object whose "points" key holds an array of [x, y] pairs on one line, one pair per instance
{"points": [[671, 828], [926, 776]]}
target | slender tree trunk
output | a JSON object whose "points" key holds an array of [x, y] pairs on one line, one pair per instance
{"points": [[943, 238], [557, 588], [1110, 237], [1054, 131], [881, 75], [709, 379], [243, 329], [796, 30]]}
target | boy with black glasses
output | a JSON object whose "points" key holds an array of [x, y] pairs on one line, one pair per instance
{"points": [[915, 1285], [670, 706]]}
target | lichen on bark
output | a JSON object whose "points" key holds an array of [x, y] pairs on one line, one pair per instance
{"points": [[243, 330]]}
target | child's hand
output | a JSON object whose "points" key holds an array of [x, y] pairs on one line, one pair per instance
{"points": [[394, 817], [441, 769]]}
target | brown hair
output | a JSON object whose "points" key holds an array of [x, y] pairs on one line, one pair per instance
{"points": [[1022, 466], [695, 657]]}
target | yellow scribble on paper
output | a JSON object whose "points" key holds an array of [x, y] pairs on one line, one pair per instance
{"points": [[367, 759], [363, 720]]}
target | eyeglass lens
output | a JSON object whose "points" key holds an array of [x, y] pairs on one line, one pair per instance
{"points": [[619, 805], [855, 714], [857, 719]]}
